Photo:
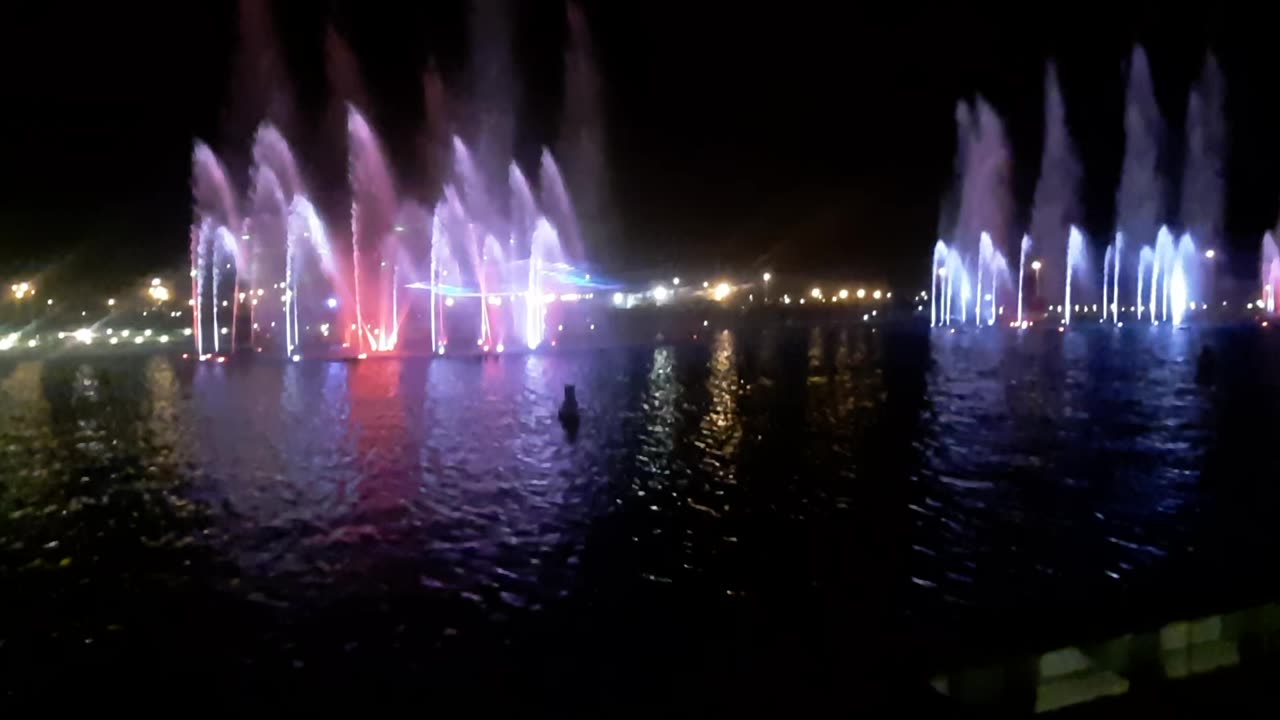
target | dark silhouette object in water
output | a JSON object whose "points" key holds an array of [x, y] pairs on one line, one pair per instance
{"points": [[1206, 366], [569, 416]]}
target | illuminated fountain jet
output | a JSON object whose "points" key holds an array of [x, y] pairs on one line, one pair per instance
{"points": [[214, 246], [1111, 266], [992, 268], [515, 254], [289, 244], [1168, 278], [507, 270], [1022, 266], [1108, 259], [1270, 272], [374, 242], [938, 279], [1076, 265], [951, 284]]}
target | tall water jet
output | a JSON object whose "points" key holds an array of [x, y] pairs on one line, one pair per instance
{"points": [[1183, 279], [1022, 264], [1075, 262], [435, 147], [1177, 294], [1161, 274], [558, 206], [1140, 205], [1146, 263], [1204, 173], [937, 274], [985, 251], [1107, 260], [999, 275], [332, 156], [1270, 272], [1056, 205], [269, 208], [544, 248], [956, 286], [1115, 282], [373, 210], [986, 197], [582, 141], [216, 220]]}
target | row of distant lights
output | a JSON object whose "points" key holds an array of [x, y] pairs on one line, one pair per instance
{"points": [[86, 336], [155, 290], [842, 294]]}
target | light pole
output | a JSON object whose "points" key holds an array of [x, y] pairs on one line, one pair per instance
{"points": [[766, 277], [1035, 266]]}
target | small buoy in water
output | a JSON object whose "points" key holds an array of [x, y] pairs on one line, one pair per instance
{"points": [[1206, 366], [569, 408]]}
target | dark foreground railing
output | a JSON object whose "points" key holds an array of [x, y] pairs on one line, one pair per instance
{"points": [[1130, 663]]}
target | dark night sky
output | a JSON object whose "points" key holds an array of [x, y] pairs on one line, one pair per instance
{"points": [[819, 137]]}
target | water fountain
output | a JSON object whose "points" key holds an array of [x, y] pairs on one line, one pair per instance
{"points": [[214, 240], [1146, 264], [1168, 277], [1056, 205], [1115, 279], [1076, 264], [482, 263], [1270, 272], [1108, 259], [1183, 277], [1022, 265], [1161, 274]]}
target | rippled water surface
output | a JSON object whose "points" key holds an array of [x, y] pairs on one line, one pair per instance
{"points": [[770, 515]]}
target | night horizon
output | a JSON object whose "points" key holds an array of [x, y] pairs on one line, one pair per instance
{"points": [[772, 144]]}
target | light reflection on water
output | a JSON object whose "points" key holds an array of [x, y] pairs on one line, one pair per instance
{"points": [[759, 477]]}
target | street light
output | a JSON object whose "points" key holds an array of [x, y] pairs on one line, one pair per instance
{"points": [[1209, 253]]}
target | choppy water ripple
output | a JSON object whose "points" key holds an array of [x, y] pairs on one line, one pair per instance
{"points": [[758, 495]]}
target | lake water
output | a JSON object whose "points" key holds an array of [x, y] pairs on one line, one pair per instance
{"points": [[780, 515]]}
